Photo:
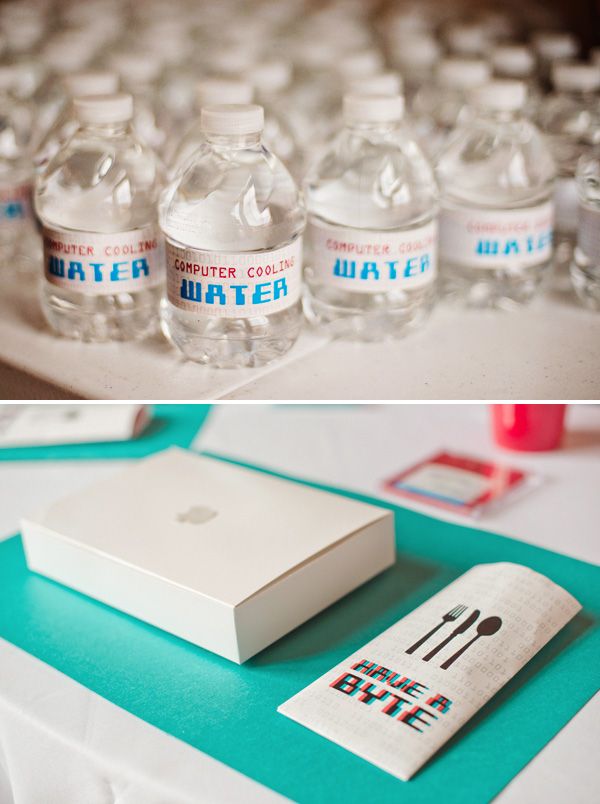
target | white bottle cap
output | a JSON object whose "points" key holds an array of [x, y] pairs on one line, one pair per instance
{"points": [[215, 91], [373, 108], [379, 84], [104, 109], [463, 73], [501, 96], [271, 76], [137, 68], [469, 39], [552, 45], [359, 65], [420, 50], [576, 76], [516, 61], [232, 119], [91, 82]]}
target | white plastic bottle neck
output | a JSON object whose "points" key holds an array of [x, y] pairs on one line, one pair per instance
{"points": [[105, 129], [234, 141], [370, 127], [499, 115]]}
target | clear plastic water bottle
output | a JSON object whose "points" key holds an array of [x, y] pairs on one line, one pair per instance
{"points": [[63, 54], [551, 48], [372, 226], [22, 35], [139, 73], [387, 83], [570, 119], [516, 62], [417, 57], [467, 39], [496, 177], [93, 82], [270, 80], [585, 267], [103, 254], [209, 92], [19, 241], [233, 222], [439, 107]]}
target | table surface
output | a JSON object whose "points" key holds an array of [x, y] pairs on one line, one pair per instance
{"points": [[362, 447], [546, 351]]}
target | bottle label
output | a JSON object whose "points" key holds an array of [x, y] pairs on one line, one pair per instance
{"points": [[239, 285], [497, 238], [367, 261], [103, 264], [15, 204], [588, 238]]}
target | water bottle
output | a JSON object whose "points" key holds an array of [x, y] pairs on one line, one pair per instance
{"points": [[372, 230], [233, 222], [387, 83], [63, 54], [209, 92], [417, 57], [92, 82], [585, 267], [496, 178], [19, 241], [271, 80], [22, 35], [439, 107], [96, 200], [467, 39], [516, 62], [139, 73], [570, 119], [551, 48]]}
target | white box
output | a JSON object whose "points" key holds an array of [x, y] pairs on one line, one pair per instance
{"points": [[228, 558]]}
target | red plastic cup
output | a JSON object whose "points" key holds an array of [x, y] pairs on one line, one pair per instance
{"points": [[528, 428]]}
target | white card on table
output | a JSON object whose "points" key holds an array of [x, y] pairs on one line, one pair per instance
{"points": [[48, 425]]}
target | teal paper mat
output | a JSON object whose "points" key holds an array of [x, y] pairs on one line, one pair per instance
{"points": [[171, 425], [230, 712]]}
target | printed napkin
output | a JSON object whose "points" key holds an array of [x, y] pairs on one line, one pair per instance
{"points": [[399, 698]]}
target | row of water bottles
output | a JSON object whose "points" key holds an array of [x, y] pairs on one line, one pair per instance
{"points": [[463, 179]]}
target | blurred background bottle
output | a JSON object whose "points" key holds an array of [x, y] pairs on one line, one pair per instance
{"points": [[20, 247], [585, 266]]}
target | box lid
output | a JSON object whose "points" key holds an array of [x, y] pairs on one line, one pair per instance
{"points": [[218, 529]]}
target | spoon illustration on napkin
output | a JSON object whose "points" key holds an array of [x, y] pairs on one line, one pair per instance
{"points": [[486, 627]]}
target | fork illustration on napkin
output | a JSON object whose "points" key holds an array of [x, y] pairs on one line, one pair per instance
{"points": [[450, 617]]}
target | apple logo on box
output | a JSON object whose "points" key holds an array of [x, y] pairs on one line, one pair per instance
{"points": [[197, 515]]}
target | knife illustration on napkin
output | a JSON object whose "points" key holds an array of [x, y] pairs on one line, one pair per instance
{"points": [[460, 629]]}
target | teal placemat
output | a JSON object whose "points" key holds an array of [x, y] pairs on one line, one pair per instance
{"points": [[171, 425], [230, 712]]}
